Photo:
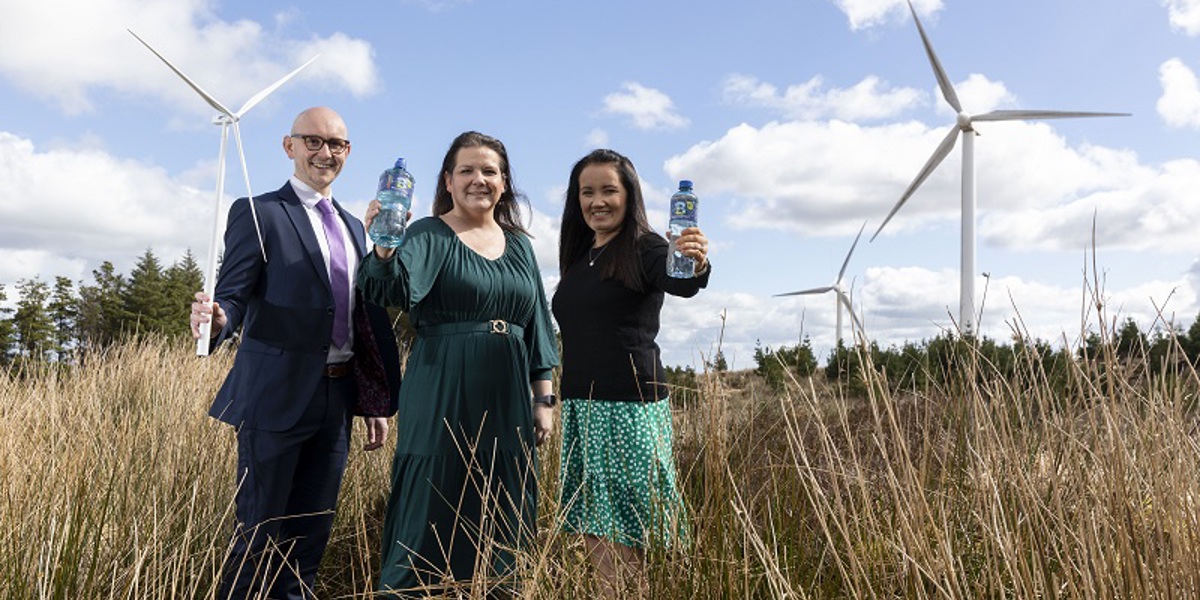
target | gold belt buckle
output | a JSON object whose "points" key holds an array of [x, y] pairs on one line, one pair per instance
{"points": [[500, 326]]}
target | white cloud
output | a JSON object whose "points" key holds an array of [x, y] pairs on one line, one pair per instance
{"points": [[126, 207], [905, 302], [597, 138], [1185, 15], [978, 94], [67, 57], [544, 228], [867, 99], [1179, 104], [812, 177], [647, 107], [864, 14], [1148, 211], [824, 178], [344, 63], [29, 263], [691, 327]]}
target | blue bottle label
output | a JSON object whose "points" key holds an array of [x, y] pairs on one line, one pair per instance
{"points": [[393, 179], [684, 209]]}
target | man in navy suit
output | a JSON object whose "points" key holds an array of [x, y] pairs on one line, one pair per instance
{"points": [[312, 355]]}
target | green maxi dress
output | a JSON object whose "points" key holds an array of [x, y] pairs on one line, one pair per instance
{"points": [[464, 489]]}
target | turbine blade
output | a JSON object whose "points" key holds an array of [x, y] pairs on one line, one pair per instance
{"points": [[271, 88], [938, 71], [207, 97], [1020, 115], [934, 160], [850, 253], [214, 246], [820, 290], [237, 134], [845, 300]]}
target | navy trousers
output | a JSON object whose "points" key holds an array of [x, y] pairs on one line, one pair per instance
{"points": [[288, 484]]}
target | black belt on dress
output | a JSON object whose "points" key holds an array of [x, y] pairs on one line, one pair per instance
{"points": [[335, 370], [497, 326]]}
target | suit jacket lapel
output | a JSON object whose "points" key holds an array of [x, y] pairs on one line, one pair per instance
{"points": [[304, 230], [356, 233]]}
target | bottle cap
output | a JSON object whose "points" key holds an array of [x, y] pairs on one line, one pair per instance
{"points": [[400, 164], [685, 183]]}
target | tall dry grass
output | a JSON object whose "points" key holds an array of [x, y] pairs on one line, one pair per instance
{"points": [[117, 485]]}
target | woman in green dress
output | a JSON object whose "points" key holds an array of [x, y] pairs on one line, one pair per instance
{"points": [[476, 395], [618, 468]]}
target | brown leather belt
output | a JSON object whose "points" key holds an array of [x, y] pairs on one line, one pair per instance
{"points": [[333, 371]]}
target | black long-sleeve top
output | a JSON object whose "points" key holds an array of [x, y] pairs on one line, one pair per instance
{"points": [[608, 330]]}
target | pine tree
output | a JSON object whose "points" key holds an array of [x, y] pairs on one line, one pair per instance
{"points": [[184, 279], [805, 358], [64, 312], [1191, 344], [8, 329], [35, 328], [101, 311], [719, 364], [145, 299], [1130, 339]]}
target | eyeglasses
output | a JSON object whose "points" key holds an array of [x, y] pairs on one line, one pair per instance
{"points": [[314, 143]]}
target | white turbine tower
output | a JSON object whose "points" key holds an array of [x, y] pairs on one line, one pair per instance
{"points": [[226, 120], [840, 297], [964, 124]]}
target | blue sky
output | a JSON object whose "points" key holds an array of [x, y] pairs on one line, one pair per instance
{"points": [[798, 121]]}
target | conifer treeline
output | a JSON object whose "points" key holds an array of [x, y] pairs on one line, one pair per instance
{"points": [[915, 365], [52, 321]]}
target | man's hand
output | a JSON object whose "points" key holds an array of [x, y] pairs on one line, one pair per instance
{"points": [[377, 432], [202, 312]]}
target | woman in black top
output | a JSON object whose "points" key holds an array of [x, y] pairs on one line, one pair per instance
{"points": [[618, 470]]}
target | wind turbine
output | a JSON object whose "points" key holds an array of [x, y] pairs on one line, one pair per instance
{"points": [[964, 124], [840, 297], [227, 119]]}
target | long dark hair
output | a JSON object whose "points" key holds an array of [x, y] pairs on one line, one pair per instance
{"points": [[508, 209], [621, 260]]}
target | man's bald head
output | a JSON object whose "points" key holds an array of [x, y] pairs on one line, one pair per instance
{"points": [[317, 168]]}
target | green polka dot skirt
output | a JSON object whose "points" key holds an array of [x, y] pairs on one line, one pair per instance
{"points": [[618, 473]]}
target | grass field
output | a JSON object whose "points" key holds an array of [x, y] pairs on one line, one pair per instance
{"points": [[115, 484]]}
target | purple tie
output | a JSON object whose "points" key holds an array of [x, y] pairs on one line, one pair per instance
{"points": [[339, 280]]}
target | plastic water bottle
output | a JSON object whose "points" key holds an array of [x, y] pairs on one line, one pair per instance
{"points": [[683, 215], [395, 199]]}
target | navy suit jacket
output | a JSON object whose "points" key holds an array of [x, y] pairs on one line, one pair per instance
{"points": [[284, 307]]}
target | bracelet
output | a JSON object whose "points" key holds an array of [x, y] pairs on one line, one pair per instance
{"points": [[548, 400]]}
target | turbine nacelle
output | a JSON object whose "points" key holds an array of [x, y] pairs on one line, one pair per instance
{"points": [[963, 120]]}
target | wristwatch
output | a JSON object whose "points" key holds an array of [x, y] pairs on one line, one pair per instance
{"points": [[547, 400]]}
